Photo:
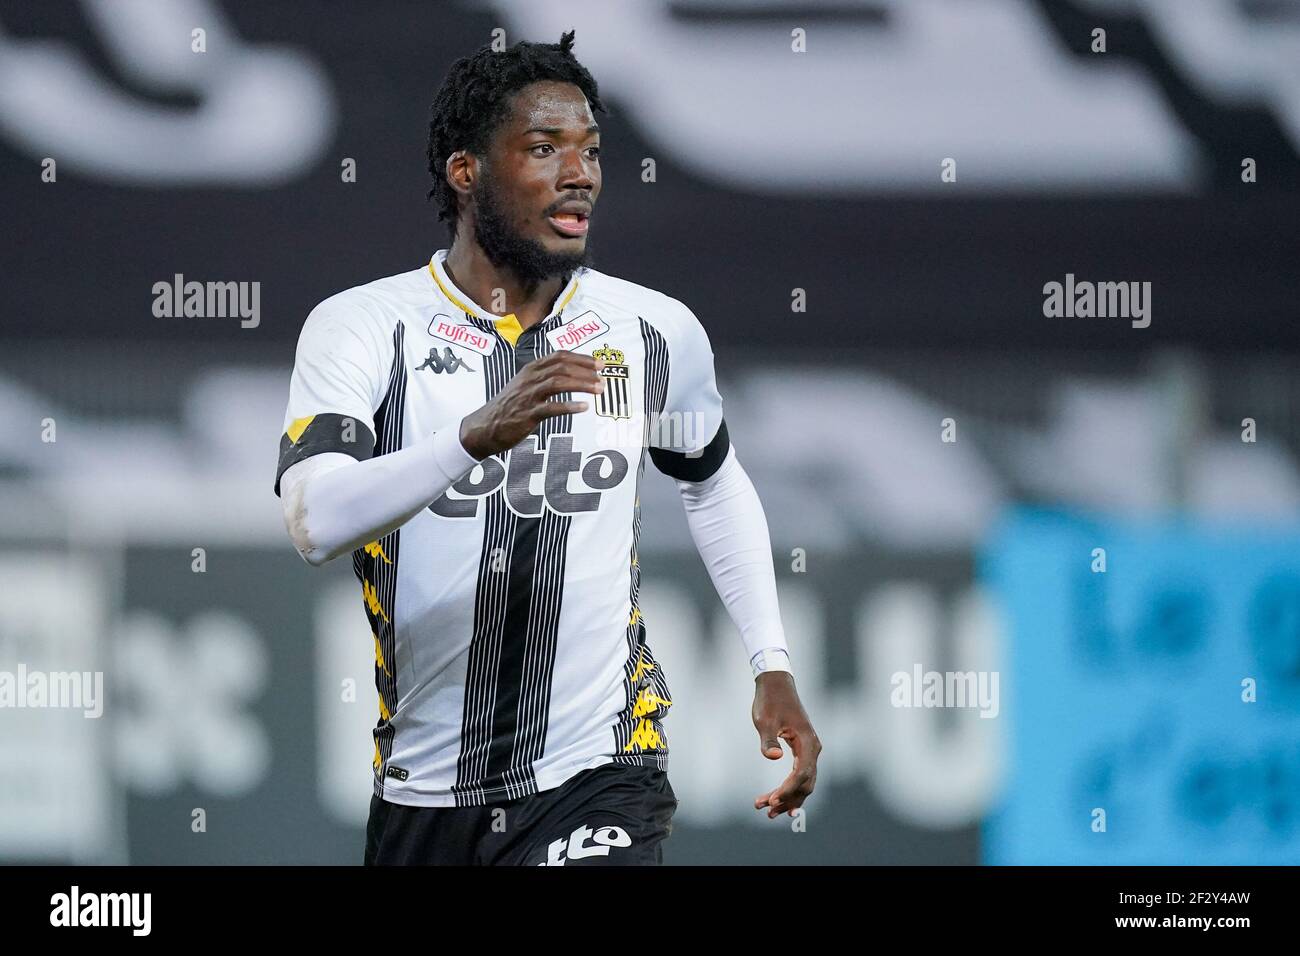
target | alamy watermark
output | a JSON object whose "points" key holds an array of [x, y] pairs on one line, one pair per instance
{"points": [[129, 910], [669, 430], [209, 300], [55, 690], [921, 688], [1084, 299]]}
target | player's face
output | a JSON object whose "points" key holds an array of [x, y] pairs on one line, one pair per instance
{"points": [[544, 167]]}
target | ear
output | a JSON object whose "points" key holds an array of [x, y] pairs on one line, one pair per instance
{"points": [[462, 171]]}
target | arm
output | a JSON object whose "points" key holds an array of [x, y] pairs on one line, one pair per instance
{"points": [[730, 532], [334, 504], [729, 529], [336, 497]]}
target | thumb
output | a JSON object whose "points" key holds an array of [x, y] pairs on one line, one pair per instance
{"points": [[771, 744]]}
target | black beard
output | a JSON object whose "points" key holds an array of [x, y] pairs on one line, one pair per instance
{"points": [[505, 248]]}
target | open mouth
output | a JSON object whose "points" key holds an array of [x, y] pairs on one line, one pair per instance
{"points": [[569, 223]]}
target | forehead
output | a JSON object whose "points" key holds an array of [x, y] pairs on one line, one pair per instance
{"points": [[547, 103]]}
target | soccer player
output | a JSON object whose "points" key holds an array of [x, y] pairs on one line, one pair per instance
{"points": [[474, 433]]}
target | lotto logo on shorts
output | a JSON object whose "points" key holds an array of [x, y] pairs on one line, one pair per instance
{"points": [[577, 847]]}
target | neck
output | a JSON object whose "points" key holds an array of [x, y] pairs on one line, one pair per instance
{"points": [[476, 275]]}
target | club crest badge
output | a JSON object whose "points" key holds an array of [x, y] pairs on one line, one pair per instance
{"points": [[613, 402]]}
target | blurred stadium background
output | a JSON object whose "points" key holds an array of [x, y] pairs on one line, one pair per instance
{"points": [[774, 171]]}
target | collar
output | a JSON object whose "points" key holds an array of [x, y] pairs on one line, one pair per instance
{"points": [[507, 326]]}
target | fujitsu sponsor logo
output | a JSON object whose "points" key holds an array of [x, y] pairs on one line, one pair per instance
{"points": [[582, 329], [458, 333]]}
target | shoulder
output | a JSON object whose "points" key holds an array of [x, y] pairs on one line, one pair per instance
{"points": [[667, 315], [373, 308]]}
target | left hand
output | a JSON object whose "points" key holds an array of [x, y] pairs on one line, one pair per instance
{"points": [[778, 715]]}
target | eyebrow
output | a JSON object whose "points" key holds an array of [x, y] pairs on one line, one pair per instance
{"points": [[555, 130]]}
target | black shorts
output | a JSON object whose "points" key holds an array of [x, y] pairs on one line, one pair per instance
{"points": [[613, 815]]}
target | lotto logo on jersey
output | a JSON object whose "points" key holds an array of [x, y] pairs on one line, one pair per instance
{"points": [[582, 329], [557, 465], [577, 847], [458, 333]]}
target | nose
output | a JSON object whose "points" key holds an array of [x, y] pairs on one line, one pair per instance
{"points": [[576, 172]]}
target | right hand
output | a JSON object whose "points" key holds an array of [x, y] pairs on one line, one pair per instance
{"points": [[518, 408]]}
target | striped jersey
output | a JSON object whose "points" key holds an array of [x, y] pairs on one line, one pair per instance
{"points": [[510, 650]]}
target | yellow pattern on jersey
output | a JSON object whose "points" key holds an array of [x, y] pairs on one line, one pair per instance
{"points": [[645, 737], [372, 599], [642, 668], [647, 701]]}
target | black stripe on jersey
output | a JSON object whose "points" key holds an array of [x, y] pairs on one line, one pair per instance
{"points": [[516, 622], [490, 603], [542, 549], [699, 467], [642, 673], [325, 432], [375, 564]]}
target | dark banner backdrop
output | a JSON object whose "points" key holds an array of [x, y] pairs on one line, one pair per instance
{"points": [[945, 265]]}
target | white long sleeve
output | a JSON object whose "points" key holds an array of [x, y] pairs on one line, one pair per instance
{"points": [[730, 531], [334, 503]]}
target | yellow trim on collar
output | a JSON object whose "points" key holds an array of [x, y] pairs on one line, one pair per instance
{"points": [[447, 292], [507, 325], [566, 299], [508, 328]]}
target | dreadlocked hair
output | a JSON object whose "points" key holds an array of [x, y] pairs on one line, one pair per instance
{"points": [[475, 98]]}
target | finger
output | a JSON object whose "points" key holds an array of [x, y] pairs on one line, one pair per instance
{"points": [[570, 383], [775, 807], [770, 744], [569, 393], [568, 360], [799, 783], [777, 798], [771, 797], [777, 801], [806, 746], [788, 790], [593, 386], [552, 409]]}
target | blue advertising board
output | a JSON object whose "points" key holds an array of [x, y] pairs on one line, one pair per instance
{"points": [[1152, 691]]}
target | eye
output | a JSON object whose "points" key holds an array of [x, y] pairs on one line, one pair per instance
{"points": [[542, 146], [593, 152]]}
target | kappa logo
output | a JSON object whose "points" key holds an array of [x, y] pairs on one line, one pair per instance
{"points": [[577, 848], [582, 329], [448, 362], [458, 333]]}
